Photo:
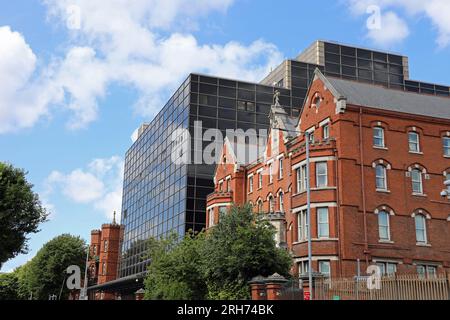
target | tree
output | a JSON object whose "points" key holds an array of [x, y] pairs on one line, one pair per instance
{"points": [[21, 212], [174, 272], [47, 270], [9, 286], [239, 248], [218, 264]]}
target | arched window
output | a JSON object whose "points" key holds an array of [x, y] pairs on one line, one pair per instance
{"points": [[421, 228], [271, 204], [104, 268], [105, 246], [260, 206], [417, 184], [384, 226], [381, 178], [281, 201]]}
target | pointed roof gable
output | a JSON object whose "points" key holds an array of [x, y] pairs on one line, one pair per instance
{"points": [[379, 97]]}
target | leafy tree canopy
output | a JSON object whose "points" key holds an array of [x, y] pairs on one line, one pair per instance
{"points": [[21, 212], [218, 264]]}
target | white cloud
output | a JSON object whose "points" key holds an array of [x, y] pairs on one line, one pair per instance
{"points": [[99, 185], [437, 11], [132, 43], [392, 30]]}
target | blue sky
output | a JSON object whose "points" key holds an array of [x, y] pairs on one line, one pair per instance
{"points": [[78, 77]]}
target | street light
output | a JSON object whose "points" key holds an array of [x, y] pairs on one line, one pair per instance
{"points": [[308, 205]]}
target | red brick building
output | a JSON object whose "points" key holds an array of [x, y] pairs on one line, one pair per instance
{"points": [[379, 159], [104, 259]]}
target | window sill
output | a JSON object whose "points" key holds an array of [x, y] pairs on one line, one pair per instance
{"points": [[386, 241], [416, 152], [447, 157], [420, 244], [383, 191], [380, 148], [323, 188], [422, 195]]}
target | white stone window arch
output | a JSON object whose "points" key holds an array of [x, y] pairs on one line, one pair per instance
{"points": [[384, 214], [381, 177]]}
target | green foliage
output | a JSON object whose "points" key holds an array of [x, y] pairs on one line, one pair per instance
{"points": [[45, 273], [20, 212], [216, 265], [9, 286], [239, 248], [174, 273]]}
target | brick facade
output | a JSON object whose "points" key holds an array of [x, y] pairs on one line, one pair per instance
{"points": [[351, 217]]}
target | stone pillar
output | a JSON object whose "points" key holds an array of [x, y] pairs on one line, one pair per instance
{"points": [[140, 294], [258, 288], [274, 285]]}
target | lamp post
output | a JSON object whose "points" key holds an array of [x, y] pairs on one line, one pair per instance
{"points": [[308, 213], [83, 294], [308, 206]]}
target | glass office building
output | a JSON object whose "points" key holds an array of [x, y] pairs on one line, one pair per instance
{"points": [[161, 196]]}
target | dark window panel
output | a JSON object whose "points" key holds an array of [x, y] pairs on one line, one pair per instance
{"points": [[299, 72], [348, 51], [333, 58], [395, 69], [381, 77], [246, 116], [246, 86], [380, 66], [395, 79], [349, 71], [226, 124], [395, 59], [349, 61], [194, 77], [208, 89], [227, 114], [333, 48], [365, 54], [208, 80], [227, 103], [333, 68], [207, 100], [227, 92], [262, 118], [380, 57], [264, 89], [246, 95], [263, 97], [208, 122], [263, 108], [299, 82], [227, 83], [365, 74], [194, 87], [207, 111]]}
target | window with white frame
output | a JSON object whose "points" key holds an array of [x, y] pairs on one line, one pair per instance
{"points": [[446, 144], [384, 226], [387, 268], [378, 137], [323, 225], [104, 268], [303, 267], [211, 217], [381, 178], [105, 246], [447, 178], [326, 131], [301, 179], [302, 222], [271, 173], [260, 180], [220, 186], [281, 201], [325, 268], [321, 174], [414, 143], [228, 184], [416, 179], [421, 228], [222, 212], [426, 271], [250, 184], [280, 168]]}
